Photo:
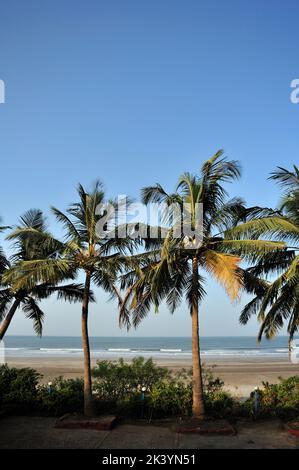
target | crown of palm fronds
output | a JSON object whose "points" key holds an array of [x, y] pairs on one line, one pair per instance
{"points": [[34, 245], [84, 245], [29, 300], [278, 301], [165, 273]]}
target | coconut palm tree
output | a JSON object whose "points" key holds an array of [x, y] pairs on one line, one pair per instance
{"points": [[86, 249], [27, 298], [278, 300], [175, 270]]}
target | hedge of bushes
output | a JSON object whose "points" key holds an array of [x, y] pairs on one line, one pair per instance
{"points": [[141, 389], [277, 400], [22, 392], [18, 388]]}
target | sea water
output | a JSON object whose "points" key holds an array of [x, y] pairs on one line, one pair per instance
{"points": [[156, 347]]}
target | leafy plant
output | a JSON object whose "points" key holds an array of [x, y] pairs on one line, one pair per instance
{"points": [[279, 400], [65, 395], [118, 389], [118, 380], [18, 388], [220, 404], [170, 398]]}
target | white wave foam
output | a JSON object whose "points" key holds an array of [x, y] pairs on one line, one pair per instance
{"points": [[119, 349], [170, 350], [16, 349], [60, 350], [242, 352]]}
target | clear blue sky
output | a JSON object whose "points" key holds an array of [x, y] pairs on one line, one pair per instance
{"points": [[134, 92]]}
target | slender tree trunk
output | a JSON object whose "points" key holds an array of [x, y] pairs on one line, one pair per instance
{"points": [[198, 407], [6, 322], [88, 400]]}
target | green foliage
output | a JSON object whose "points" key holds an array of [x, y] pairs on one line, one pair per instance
{"points": [[118, 387], [18, 388], [281, 399], [170, 398], [66, 396], [30, 247], [119, 380], [173, 397], [20, 391], [219, 404], [276, 303], [277, 400]]}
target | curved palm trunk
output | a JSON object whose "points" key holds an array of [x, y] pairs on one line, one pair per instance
{"points": [[88, 401], [198, 407], [9, 316]]}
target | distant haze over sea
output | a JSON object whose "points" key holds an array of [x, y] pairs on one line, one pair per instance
{"points": [[156, 347]]}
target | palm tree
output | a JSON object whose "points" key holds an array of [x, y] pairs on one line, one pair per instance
{"points": [[278, 300], [27, 248], [175, 270], [85, 249]]}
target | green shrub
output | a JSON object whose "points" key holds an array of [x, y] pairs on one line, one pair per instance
{"points": [[279, 400], [219, 404], [170, 398], [65, 395], [118, 385], [18, 388], [116, 381], [174, 398], [118, 389], [173, 395]]}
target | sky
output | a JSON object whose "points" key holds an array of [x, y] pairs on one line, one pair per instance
{"points": [[138, 92]]}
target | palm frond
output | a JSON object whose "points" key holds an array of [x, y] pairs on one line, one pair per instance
{"points": [[6, 297], [274, 227], [26, 274], [195, 289], [250, 250], [225, 269], [71, 231], [33, 218], [289, 180], [33, 312], [68, 292]]}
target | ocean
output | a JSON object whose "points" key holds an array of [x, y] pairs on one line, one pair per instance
{"points": [[156, 347]]}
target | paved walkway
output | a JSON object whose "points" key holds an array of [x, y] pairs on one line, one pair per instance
{"points": [[38, 432]]}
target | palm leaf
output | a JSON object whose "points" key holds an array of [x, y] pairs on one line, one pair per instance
{"points": [[34, 313], [225, 269]]}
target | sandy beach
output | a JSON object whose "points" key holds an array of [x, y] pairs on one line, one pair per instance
{"points": [[240, 375]]}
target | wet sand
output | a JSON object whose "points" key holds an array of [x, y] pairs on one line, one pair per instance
{"points": [[240, 375]]}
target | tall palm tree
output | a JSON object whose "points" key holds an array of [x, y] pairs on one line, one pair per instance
{"points": [[85, 249], [175, 270], [28, 248], [278, 301]]}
